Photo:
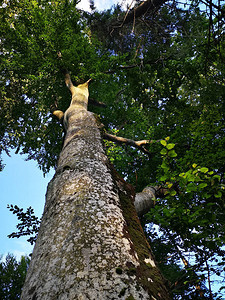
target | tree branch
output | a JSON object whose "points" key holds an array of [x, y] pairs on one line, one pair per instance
{"points": [[139, 65], [96, 103], [68, 81], [137, 144], [122, 68], [56, 112], [139, 11], [145, 200], [66, 74], [210, 3]]}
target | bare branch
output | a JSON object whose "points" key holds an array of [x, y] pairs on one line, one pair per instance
{"points": [[59, 114], [66, 74], [121, 68], [68, 81], [145, 200], [121, 140], [139, 65], [96, 103], [128, 10], [139, 11], [56, 112]]}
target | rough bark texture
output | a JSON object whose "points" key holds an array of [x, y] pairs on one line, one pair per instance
{"points": [[90, 244]]}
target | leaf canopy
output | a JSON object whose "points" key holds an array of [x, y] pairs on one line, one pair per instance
{"points": [[161, 78]]}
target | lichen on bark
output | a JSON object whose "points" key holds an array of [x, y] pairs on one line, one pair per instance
{"points": [[90, 244]]}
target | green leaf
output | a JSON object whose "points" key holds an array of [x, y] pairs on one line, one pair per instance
{"points": [[163, 178], [217, 177], [202, 185], [172, 153], [167, 212], [173, 193], [169, 185], [183, 175], [218, 194], [206, 195], [191, 187], [163, 142], [170, 146], [191, 177], [163, 152], [204, 170], [164, 166]]}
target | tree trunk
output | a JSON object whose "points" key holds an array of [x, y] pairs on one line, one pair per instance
{"points": [[90, 244]]}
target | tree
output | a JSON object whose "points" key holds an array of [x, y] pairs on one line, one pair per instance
{"points": [[164, 71], [12, 277], [90, 244], [192, 88]]}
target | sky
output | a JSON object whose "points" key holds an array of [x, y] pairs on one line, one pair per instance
{"points": [[103, 4], [22, 182]]}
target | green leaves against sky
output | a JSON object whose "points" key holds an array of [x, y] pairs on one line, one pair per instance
{"points": [[160, 76]]}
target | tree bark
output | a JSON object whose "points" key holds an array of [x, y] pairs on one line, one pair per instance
{"points": [[90, 243], [144, 201], [120, 140]]}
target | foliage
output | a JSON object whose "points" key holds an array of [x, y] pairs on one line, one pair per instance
{"points": [[185, 282], [12, 276], [170, 92], [191, 216], [29, 223], [162, 75], [32, 33]]}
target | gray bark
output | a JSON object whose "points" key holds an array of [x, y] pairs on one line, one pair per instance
{"points": [[86, 247], [144, 201]]}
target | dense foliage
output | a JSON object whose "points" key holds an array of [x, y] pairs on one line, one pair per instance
{"points": [[12, 276], [32, 33], [159, 76]]}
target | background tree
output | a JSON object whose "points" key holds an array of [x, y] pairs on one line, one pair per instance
{"points": [[12, 276], [165, 70]]}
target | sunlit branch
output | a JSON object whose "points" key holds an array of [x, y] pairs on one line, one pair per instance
{"points": [[137, 144]]}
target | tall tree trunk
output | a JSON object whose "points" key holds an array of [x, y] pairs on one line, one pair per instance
{"points": [[90, 244]]}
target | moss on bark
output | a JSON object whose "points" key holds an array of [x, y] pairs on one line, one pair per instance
{"points": [[147, 273]]}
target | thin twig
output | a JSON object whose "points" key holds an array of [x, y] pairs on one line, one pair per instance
{"points": [[139, 11]]}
